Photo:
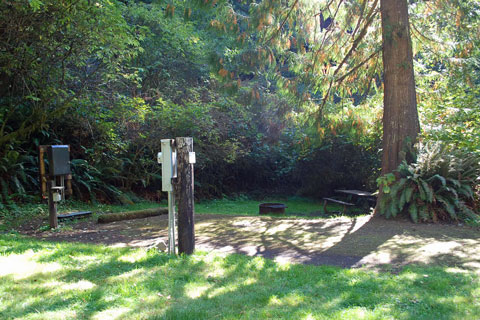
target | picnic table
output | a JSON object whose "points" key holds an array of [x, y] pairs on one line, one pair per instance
{"points": [[358, 193], [362, 199]]}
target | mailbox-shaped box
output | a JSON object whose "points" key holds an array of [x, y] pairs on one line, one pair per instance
{"points": [[58, 160]]}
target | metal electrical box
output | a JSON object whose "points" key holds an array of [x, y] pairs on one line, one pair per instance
{"points": [[168, 159], [58, 160]]}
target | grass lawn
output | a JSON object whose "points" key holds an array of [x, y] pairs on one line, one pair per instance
{"points": [[44, 280], [297, 206]]}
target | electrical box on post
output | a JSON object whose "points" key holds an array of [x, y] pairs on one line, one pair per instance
{"points": [[168, 160], [58, 160]]}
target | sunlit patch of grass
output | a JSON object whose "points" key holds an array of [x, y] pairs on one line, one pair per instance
{"points": [[78, 281]]}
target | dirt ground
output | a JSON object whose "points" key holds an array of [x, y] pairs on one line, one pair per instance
{"points": [[373, 243]]}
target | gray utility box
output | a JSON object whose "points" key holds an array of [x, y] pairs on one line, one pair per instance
{"points": [[59, 160]]}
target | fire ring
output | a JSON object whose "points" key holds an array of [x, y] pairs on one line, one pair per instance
{"points": [[265, 208]]}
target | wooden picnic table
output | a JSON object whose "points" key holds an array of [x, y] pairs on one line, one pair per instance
{"points": [[363, 198], [358, 193]]}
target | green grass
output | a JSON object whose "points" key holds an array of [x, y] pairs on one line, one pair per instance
{"points": [[297, 206], [24, 212], [45, 280]]}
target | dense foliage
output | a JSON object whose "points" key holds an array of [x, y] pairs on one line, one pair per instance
{"points": [[438, 185], [279, 96]]}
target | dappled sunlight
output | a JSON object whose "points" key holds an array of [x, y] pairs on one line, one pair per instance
{"points": [[249, 281], [257, 263], [274, 301], [141, 243], [308, 316], [133, 274], [112, 313], [131, 284], [355, 313], [80, 285], [360, 242], [406, 247], [118, 245], [363, 241], [293, 299], [54, 315], [133, 256], [222, 290], [22, 266], [196, 290]]}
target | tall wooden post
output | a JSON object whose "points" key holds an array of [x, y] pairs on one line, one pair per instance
{"points": [[184, 195], [52, 206], [41, 163]]}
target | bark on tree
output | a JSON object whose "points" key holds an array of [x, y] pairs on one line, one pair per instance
{"points": [[184, 195], [400, 115]]}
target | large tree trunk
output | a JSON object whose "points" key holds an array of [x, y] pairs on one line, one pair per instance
{"points": [[400, 116]]}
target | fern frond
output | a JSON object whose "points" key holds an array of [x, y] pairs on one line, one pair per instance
{"points": [[413, 211]]}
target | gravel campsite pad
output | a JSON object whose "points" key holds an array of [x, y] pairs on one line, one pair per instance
{"points": [[373, 243]]}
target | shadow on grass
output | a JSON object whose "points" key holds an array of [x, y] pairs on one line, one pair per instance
{"points": [[158, 286], [356, 242], [250, 290], [107, 280]]}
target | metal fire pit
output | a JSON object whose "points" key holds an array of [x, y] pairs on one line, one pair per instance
{"points": [[265, 208]]}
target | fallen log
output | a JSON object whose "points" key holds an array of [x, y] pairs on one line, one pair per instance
{"points": [[119, 216]]}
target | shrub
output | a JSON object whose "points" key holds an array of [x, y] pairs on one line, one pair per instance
{"points": [[18, 176], [438, 185], [89, 178], [337, 164]]}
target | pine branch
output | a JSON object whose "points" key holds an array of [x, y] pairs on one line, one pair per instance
{"points": [[284, 21], [358, 66]]}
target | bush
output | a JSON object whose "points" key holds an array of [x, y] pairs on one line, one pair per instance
{"points": [[337, 164], [438, 185], [18, 176]]}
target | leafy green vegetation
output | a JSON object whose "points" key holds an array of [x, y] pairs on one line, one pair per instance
{"points": [[281, 97], [286, 98], [438, 185], [64, 280]]}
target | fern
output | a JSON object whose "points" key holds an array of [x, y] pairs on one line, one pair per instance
{"points": [[89, 180], [436, 186], [413, 210]]}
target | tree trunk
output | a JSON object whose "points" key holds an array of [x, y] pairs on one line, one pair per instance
{"points": [[400, 116]]}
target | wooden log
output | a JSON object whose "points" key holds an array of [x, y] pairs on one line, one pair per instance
{"points": [[111, 217], [184, 195], [52, 206]]}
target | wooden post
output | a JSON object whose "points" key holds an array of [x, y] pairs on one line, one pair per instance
{"points": [[41, 163], [69, 184], [184, 195], [52, 206]]}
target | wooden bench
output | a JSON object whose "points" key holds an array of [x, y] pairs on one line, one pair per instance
{"points": [[343, 203]]}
